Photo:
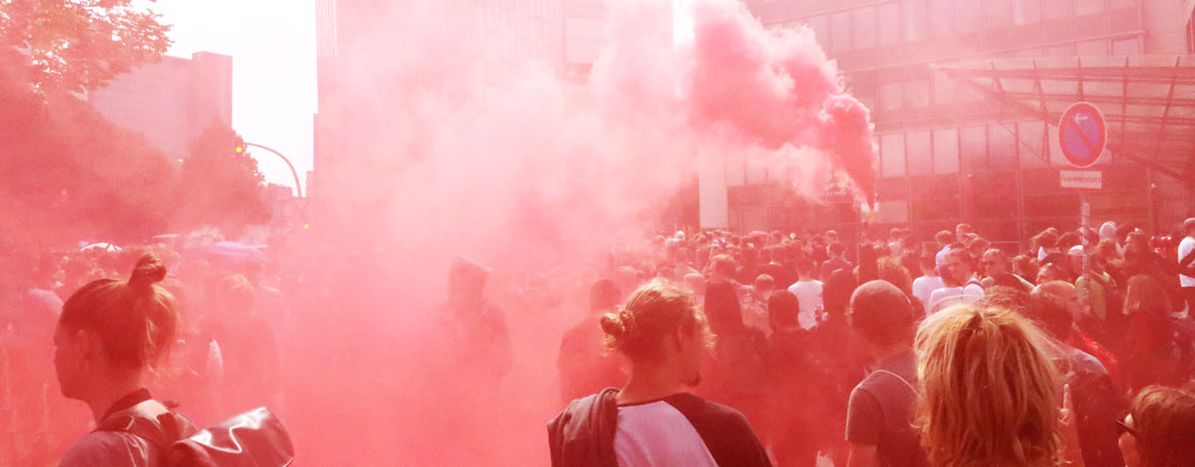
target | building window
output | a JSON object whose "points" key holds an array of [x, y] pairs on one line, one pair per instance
{"points": [[891, 95], [1095, 48], [998, 13], [944, 89], [1112, 4], [840, 29], [969, 17], [892, 155], [1002, 146], [973, 147], [1026, 11], [919, 153], [889, 24], [821, 29], [1088, 7], [941, 15], [1031, 135], [865, 28], [916, 94], [914, 19], [946, 151], [1127, 47], [1059, 9]]}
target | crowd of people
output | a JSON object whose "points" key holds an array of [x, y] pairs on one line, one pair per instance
{"points": [[1076, 351], [206, 335], [706, 348]]}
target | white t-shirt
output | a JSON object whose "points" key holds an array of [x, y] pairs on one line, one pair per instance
{"points": [[941, 256], [924, 286], [947, 296], [656, 434], [1184, 248], [809, 295]]}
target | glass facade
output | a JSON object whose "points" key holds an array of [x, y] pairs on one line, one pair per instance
{"points": [[945, 151]]}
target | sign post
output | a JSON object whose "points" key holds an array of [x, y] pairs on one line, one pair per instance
{"points": [[1082, 135]]}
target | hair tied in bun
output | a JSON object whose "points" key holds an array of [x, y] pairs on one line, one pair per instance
{"points": [[148, 271]]}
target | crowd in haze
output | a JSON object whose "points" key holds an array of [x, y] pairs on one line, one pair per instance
{"points": [[1076, 351], [705, 348]]}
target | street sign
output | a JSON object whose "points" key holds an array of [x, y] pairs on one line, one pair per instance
{"points": [[1082, 134], [1085, 179]]}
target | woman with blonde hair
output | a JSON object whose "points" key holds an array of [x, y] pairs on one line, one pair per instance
{"points": [[990, 395]]}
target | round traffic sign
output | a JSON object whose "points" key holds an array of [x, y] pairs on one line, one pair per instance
{"points": [[1082, 134]]}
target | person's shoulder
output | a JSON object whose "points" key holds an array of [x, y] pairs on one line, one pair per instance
{"points": [[107, 448], [699, 410]]}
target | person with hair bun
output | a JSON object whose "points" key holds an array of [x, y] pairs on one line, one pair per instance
{"points": [[989, 392], [111, 335], [653, 419]]}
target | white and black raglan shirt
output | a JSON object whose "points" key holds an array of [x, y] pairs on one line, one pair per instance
{"points": [[683, 429]]}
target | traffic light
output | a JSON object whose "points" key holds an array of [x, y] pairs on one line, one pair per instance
{"points": [[238, 146]]}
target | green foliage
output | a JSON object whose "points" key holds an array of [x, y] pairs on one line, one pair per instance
{"points": [[220, 187], [78, 45], [69, 175]]}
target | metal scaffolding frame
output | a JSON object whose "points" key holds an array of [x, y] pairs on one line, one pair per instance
{"points": [[1148, 101]]}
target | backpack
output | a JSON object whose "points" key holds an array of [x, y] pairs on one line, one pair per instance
{"points": [[251, 439]]}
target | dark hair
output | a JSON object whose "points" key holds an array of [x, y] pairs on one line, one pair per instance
{"points": [[783, 307], [1009, 298], [1053, 317], [136, 320], [881, 313], [836, 248], [722, 307], [836, 293], [1164, 425]]}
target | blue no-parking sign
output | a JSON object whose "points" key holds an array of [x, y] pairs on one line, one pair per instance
{"points": [[1082, 134]]}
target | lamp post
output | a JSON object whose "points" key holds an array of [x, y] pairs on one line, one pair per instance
{"points": [[298, 186]]}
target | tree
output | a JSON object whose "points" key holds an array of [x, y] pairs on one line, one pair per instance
{"points": [[78, 45], [70, 175], [221, 186]]}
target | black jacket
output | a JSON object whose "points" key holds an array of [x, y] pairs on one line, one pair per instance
{"points": [[583, 434]]}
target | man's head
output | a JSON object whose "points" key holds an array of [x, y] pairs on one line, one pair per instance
{"points": [[722, 268], [881, 314], [1054, 306], [661, 329], [962, 230], [956, 267], [764, 283], [805, 268], [995, 262], [836, 250], [783, 307], [944, 238]]}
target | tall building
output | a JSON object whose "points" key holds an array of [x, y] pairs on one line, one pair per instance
{"points": [[171, 102], [966, 95]]}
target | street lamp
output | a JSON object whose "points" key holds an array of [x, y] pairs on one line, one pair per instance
{"points": [[298, 186]]}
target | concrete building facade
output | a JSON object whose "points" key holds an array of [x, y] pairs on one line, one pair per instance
{"points": [[171, 102]]}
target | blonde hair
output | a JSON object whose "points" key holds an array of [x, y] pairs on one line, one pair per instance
{"points": [[989, 391], [654, 311]]}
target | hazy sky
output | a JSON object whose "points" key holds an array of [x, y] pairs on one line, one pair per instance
{"points": [[272, 44]]}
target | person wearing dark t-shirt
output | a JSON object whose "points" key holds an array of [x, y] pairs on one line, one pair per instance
{"points": [[653, 420], [795, 403], [879, 422], [1054, 305], [584, 365]]}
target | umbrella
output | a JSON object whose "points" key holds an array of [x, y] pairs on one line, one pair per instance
{"points": [[235, 252], [101, 247]]}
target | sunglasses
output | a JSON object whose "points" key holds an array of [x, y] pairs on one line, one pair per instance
{"points": [[1122, 428]]}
